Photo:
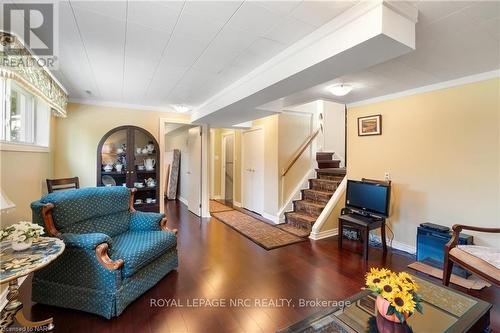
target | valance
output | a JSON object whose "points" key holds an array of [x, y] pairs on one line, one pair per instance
{"points": [[27, 71]]}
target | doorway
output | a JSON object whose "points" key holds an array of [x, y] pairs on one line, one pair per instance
{"points": [[227, 170], [181, 164], [253, 170]]}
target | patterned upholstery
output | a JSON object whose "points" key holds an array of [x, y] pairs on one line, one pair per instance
{"points": [[89, 217], [140, 248]]}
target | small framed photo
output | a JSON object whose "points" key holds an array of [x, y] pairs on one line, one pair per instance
{"points": [[370, 125]]}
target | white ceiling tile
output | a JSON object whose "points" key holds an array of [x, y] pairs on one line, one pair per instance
{"points": [[280, 7], [224, 49], [317, 13], [289, 30], [183, 51], [219, 11], [491, 27], [114, 9], [153, 14], [431, 11], [483, 11], [254, 18], [197, 27], [101, 32], [144, 43]]}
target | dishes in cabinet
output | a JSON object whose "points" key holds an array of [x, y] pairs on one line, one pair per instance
{"points": [[108, 181]]}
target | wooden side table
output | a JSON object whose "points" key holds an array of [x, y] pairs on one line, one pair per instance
{"points": [[363, 224], [16, 264]]}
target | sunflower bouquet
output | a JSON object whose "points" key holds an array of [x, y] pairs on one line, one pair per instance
{"points": [[397, 297]]}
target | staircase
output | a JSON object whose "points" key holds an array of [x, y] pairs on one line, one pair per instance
{"points": [[314, 199]]}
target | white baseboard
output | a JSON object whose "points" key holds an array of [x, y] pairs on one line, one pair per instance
{"points": [[217, 197], [395, 244], [324, 234], [237, 204], [3, 295], [183, 200], [272, 218]]}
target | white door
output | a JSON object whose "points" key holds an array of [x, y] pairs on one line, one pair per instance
{"points": [[194, 171], [253, 171]]}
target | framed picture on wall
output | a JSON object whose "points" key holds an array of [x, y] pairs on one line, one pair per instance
{"points": [[370, 125]]}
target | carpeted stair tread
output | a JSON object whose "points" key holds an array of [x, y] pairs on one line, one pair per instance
{"points": [[300, 217], [324, 184], [312, 203], [310, 207], [301, 232], [315, 195]]}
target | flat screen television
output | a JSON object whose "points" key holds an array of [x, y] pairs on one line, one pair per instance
{"points": [[368, 197]]}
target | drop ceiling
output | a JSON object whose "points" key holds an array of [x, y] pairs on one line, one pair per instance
{"points": [[454, 39], [160, 53], [153, 54]]}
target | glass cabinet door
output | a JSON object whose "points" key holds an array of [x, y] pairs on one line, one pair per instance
{"points": [[145, 170], [114, 161]]}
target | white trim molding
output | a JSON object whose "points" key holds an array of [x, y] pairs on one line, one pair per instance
{"points": [[23, 147], [324, 234], [334, 200], [183, 200], [428, 88], [272, 218], [236, 203]]}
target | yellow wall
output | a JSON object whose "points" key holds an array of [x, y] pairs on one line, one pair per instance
{"points": [[293, 129], [22, 178], [80, 133], [441, 149]]}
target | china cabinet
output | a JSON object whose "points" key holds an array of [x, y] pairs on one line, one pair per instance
{"points": [[128, 156]]}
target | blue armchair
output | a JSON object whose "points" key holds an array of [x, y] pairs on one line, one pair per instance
{"points": [[113, 253]]}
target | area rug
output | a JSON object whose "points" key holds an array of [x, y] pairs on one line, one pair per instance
{"points": [[259, 232], [214, 207], [471, 283]]}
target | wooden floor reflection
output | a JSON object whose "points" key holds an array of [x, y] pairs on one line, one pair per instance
{"points": [[217, 262]]}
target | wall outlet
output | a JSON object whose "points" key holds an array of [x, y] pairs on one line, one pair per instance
{"points": [[387, 177]]}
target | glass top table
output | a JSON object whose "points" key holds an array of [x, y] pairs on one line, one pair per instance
{"points": [[16, 264], [445, 310]]}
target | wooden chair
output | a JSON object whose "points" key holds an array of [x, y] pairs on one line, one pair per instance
{"points": [[481, 260], [62, 184]]}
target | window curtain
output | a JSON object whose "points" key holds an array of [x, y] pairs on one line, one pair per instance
{"points": [[23, 68]]}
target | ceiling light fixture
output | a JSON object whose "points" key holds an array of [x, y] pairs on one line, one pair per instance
{"points": [[181, 108], [340, 89]]}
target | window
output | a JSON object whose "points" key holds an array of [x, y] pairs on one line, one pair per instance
{"points": [[25, 117]]}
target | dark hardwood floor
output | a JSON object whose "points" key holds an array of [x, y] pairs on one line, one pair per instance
{"points": [[217, 262]]}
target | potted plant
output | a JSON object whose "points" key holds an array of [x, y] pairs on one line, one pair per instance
{"points": [[21, 234], [397, 297]]}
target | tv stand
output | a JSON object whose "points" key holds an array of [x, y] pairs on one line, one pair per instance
{"points": [[363, 222]]}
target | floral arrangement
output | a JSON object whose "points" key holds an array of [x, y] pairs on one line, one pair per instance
{"points": [[399, 291], [21, 232]]}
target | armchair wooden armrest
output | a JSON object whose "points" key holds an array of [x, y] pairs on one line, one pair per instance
{"points": [[101, 252], [49, 221], [457, 228], [163, 226], [449, 258]]}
